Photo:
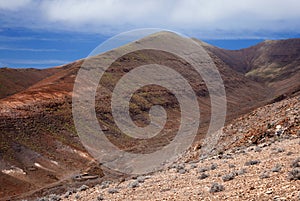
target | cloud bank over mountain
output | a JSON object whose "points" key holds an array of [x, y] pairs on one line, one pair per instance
{"points": [[214, 19]]}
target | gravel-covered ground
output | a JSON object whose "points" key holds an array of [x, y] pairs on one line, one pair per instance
{"points": [[248, 174]]}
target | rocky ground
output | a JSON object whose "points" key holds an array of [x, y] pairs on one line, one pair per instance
{"points": [[263, 172], [265, 124], [261, 163]]}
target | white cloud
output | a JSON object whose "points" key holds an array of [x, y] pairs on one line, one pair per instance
{"points": [[13, 4], [214, 18], [103, 16], [93, 11], [207, 12]]}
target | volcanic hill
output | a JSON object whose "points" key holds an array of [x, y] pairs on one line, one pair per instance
{"points": [[40, 151]]}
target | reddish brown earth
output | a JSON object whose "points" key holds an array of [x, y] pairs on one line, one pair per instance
{"points": [[17, 80], [38, 134], [276, 63]]}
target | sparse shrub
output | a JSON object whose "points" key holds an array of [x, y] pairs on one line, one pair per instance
{"points": [[203, 157], [105, 184], [112, 190], [100, 197], [294, 174], [296, 163], [241, 171], [265, 144], [42, 199], [231, 165], [182, 171], [67, 194], [73, 190], [193, 166], [228, 177], [252, 162], [83, 188], [250, 148], [227, 156], [213, 166], [177, 166], [216, 188], [289, 153], [264, 175], [134, 184], [269, 126], [278, 150], [141, 179], [258, 149], [203, 169], [277, 168], [241, 150], [54, 197], [203, 176]]}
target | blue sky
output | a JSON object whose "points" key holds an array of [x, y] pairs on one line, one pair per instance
{"points": [[39, 34]]}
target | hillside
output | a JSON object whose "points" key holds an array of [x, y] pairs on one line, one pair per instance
{"points": [[40, 148], [249, 170], [17, 80], [274, 62]]}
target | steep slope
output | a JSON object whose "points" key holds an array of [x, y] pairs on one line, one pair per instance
{"points": [[38, 121], [263, 125], [267, 169], [16, 80]]}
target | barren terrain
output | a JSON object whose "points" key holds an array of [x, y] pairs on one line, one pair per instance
{"points": [[40, 151]]}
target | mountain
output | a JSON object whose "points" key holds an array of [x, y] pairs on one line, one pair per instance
{"points": [[39, 145], [273, 62], [16, 80]]}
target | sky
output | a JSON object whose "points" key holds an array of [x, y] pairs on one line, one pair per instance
{"points": [[45, 33]]}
